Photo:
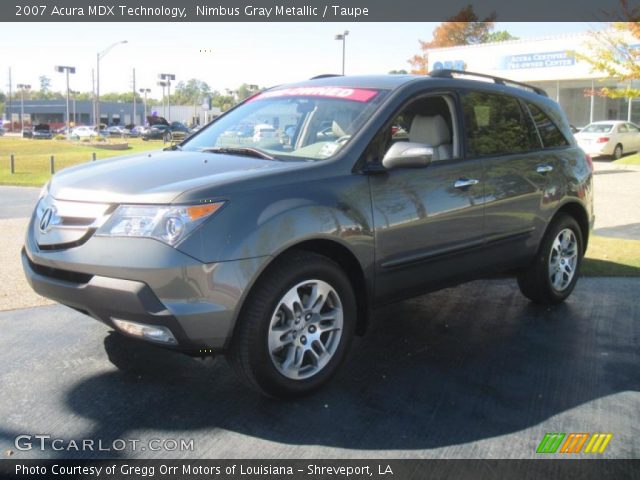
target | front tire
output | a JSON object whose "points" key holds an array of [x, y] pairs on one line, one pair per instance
{"points": [[296, 326], [552, 276]]}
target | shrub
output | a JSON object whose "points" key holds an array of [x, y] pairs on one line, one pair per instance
{"points": [[60, 136]]}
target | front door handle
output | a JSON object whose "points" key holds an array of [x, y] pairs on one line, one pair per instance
{"points": [[465, 182], [544, 169]]}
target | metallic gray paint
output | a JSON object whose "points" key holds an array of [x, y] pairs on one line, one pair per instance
{"points": [[409, 230]]}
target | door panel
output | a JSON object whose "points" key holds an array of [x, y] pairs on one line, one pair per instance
{"points": [[515, 189], [426, 228]]}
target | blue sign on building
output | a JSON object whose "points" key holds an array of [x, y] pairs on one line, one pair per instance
{"points": [[537, 60]]}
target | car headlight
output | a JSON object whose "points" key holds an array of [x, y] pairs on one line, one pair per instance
{"points": [[167, 223]]}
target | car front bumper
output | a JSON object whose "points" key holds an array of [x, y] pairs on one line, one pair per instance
{"points": [[147, 282]]}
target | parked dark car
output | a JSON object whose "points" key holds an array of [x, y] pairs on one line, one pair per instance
{"points": [[275, 253], [41, 131], [161, 129]]}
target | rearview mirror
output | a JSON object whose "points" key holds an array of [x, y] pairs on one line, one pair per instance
{"points": [[408, 155]]}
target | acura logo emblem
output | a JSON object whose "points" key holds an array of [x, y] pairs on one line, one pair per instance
{"points": [[48, 219]]}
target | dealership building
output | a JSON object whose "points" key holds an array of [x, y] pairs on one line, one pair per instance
{"points": [[548, 63], [54, 113]]}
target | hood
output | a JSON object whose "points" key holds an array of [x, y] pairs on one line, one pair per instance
{"points": [[155, 177], [155, 120]]}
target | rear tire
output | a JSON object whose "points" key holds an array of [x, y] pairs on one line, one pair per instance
{"points": [[295, 327], [617, 152], [552, 276]]}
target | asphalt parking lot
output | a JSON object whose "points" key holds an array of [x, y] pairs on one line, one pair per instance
{"points": [[469, 372]]}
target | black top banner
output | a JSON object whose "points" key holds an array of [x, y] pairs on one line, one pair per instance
{"points": [[306, 10]]}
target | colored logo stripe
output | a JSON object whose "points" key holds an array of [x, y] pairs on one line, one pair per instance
{"points": [[550, 443], [598, 443], [574, 443]]}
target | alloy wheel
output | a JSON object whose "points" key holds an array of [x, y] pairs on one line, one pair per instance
{"points": [[305, 329]]}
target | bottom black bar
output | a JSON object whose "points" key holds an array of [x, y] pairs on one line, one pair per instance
{"points": [[321, 469]]}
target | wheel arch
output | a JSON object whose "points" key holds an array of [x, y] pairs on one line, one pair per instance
{"points": [[579, 213], [335, 251]]}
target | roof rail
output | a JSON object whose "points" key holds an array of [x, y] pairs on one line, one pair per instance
{"points": [[446, 73], [326, 75]]}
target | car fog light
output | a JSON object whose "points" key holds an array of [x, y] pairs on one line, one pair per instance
{"points": [[154, 333]]}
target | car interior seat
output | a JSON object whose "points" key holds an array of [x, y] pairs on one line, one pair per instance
{"points": [[342, 124], [432, 131]]}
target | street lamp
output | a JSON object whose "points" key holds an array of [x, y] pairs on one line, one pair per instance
{"points": [[163, 85], [343, 36], [144, 91], [100, 56], [67, 70], [167, 77], [74, 114], [22, 87]]}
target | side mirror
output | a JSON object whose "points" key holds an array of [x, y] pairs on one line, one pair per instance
{"points": [[408, 155]]}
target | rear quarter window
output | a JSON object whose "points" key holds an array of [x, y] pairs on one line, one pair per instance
{"points": [[550, 134]]}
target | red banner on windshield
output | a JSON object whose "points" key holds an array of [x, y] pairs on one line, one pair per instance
{"points": [[353, 94]]}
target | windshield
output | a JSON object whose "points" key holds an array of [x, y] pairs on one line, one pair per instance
{"points": [[597, 128], [292, 123]]}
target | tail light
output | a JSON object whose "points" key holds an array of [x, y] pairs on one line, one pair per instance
{"points": [[602, 140], [589, 161]]}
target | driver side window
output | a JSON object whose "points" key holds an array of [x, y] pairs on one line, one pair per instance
{"points": [[428, 120]]}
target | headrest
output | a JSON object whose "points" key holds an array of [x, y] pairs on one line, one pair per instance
{"points": [[429, 130], [341, 124]]}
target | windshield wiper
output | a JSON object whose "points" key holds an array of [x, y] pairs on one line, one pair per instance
{"points": [[248, 151]]}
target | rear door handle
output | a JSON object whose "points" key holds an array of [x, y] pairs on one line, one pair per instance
{"points": [[544, 169], [465, 182]]}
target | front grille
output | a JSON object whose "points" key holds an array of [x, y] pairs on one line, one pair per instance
{"points": [[59, 274], [61, 224]]}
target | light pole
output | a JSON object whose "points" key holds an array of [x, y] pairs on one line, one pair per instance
{"points": [[22, 87], [167, 77], [163, 85], [343, 36], [75, 117], [67, 70], [144, 91], [100, 56]]}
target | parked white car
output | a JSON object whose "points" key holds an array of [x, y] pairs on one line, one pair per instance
{"points": [[611, 137], [263, 131], [83, 132]]}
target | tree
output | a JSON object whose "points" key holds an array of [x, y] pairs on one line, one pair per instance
{"points": [[190, 92], [398, 72], [246, 90], [464, 28], [45, 83], [499, 36], [614, 53]]}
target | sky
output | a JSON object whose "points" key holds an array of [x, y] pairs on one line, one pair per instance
{"points": [[224, 55]]}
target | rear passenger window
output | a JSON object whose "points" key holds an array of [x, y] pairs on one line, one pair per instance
{"points": [[496, 125], [550, 134]]}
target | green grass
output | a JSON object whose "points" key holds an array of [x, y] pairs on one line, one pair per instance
{"points": [[612, 257], [629, 160], [32, 157]]}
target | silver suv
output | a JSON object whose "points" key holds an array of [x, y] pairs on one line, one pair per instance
{"points": [[274, 249]]}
